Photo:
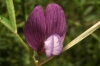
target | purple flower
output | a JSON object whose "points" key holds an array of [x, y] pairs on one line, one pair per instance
{"points": [[45, 31]]}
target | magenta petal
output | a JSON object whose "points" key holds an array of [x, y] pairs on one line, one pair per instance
{"points": [[55, 20], [35, 29]]}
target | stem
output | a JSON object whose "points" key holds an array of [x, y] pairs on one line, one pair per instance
{"points": [[5, 23], [22, 42], [82, 36], [35, 61], [76, 40], [39, 60], [11, 12], [26, 47], [48, 59]]}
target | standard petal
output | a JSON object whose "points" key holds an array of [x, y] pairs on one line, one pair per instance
{"points": [[55, 20], [35, 29]]}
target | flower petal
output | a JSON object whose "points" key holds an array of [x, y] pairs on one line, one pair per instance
{"points": [[48, 45], [58, 45], [35, 29], [55, 20], [53, 45]]}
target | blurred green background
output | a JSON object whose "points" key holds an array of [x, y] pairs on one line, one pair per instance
{"points": [[80, 15]]}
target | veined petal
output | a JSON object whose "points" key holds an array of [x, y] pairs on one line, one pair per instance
{"points": [[49, 45], [58, 45], [53, 45], [35, 29], [55, 20]]}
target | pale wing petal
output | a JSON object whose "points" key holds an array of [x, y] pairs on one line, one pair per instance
{"points": [[48, 45], [57, 45], [53, 45]]}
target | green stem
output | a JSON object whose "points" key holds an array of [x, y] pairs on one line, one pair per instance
{"points": [[48, 59], [22, 42], [26, 47], [11, 12]]}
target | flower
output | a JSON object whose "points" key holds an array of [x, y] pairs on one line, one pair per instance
{"points": [[45, 32]]}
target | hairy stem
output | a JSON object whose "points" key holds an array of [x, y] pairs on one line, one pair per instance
{"points": [[22, 42], [26, 47]]}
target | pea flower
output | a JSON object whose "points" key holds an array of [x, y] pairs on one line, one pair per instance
{"points": [[45, 31]]}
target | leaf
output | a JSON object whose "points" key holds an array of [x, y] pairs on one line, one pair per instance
{"points": [[88, 10], [7, 23], [90, 18], [11, 12]]}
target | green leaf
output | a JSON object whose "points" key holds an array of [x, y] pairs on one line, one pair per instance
{"points": [[7, 23], [96, 36], [11, 12], [88, 10]]}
